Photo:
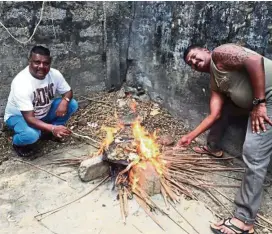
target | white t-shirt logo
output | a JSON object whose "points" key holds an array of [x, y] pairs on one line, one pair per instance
{"points": [[43, 98]]}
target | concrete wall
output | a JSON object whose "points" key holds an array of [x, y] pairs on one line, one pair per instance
{"points": [[98, 45]]}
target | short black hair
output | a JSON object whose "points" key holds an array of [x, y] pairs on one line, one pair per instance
{"points": [[188, 49], [40, 50]]}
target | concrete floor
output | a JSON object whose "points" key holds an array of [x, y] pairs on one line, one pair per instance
{"points": [[26, 191]]}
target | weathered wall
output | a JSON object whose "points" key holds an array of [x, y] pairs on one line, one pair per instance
{"points": [[98, 45], [73, 31], [162, 30]]}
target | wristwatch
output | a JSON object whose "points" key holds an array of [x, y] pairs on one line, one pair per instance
{"points": [[257, 101]]}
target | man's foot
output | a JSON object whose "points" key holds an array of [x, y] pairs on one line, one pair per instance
{"points": [[232, 226], [23, 151], [206, 150]]}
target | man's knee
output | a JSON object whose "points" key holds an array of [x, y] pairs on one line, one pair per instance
{"points": [[30, 136], [73, 106]]}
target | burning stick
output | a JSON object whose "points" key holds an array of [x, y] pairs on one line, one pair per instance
{"points": [[124, 171]]}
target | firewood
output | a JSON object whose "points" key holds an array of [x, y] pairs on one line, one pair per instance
{"points": [[164, 195], [125, 199], [173, 196], [147, 211], [121, 200]]}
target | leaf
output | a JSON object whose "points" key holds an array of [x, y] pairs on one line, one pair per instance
{"points": [[155, 112]]}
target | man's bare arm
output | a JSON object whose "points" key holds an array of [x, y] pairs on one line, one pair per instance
{"points": [[68, 94], [57, 130], [36, 123], [216, 105]]}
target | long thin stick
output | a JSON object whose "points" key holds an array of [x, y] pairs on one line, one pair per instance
{"points": [[264, 219], [164, 195], [231, 200], [125, 202], [28, 163], [184, 218], [98, 101], [86, 137], [68, 203], [121, 200], [147, 211]]}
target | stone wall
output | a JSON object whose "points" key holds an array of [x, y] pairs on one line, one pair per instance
{"points": [[162, 30], [99, 45], [72, 30]]}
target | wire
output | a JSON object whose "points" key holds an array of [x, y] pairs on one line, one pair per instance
{"points": [[35, 29]]}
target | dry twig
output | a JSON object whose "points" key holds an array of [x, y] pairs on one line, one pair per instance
{"points": [[50, 212], [28, 163]]}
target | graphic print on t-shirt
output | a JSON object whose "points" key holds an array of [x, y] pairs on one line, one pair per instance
{"points": [[42, 100]]}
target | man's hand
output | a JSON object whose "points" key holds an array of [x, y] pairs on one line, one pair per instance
{"points": [[62, 108], [258, 118], [184, 141], [60, 131]]}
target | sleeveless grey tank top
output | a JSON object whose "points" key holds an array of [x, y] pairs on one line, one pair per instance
{"points": [[236, 84]]}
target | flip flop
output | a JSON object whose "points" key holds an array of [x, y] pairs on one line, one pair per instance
{"points": [[24, 152], [232, 227], [205, 150]]}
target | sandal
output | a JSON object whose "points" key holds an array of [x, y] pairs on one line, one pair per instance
{"points": [[23, 151], [232, 227], [205, 150]]}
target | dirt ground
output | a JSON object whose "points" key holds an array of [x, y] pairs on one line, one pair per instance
{"points": [[26, 191]]}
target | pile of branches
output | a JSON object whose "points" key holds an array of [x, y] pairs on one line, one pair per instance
{"points": [[183, 173]]}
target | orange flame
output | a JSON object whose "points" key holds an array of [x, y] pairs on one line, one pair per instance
{"points": [[109, 138], [147, 148]]}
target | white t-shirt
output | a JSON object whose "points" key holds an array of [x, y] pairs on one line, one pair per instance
{"points": [[28, 93]]}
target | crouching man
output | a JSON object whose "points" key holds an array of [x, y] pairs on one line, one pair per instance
{"points": [[32, 108]]}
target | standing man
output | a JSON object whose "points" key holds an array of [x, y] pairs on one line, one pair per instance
{"points": [[32, 108], [244, 77]]}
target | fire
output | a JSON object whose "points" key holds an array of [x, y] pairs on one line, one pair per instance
{"points": [[147, 147], [145, 144], [109, 138]]}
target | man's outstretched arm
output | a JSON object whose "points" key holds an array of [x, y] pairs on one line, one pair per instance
{"points": [[216, 105]]}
